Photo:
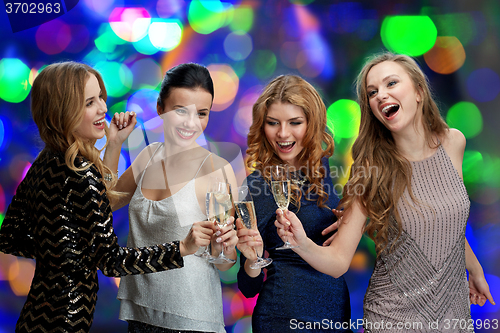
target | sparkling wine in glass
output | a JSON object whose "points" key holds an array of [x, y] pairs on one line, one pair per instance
{"points": [[219, 205], [280, 186], [246, 211]]}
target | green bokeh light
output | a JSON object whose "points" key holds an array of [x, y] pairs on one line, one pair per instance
{"points": [[229, 276], [117, 77], [343, 118], [472, 167], [117, 108], [265, 64], [107, 40], [411, 35], [301, 2], [207, 16], [466, 117], [489, 173], [14, 80], [1, 220], [242, 19]]}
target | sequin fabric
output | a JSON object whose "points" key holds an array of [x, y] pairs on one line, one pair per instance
{"points": [[294, 294], [421, 286], [63, 220]]}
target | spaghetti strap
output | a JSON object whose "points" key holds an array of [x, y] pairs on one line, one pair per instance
{"points": [[209, 154], [213, 168], [149, 162]]}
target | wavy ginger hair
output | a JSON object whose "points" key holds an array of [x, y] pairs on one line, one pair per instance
{"points": [[317, 142], [58, 108], [375, 147]]}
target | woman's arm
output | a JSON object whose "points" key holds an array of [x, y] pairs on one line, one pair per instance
{"points": [[16, 234], [334, 259], [479, 291], [91, 215], [120, 127]]}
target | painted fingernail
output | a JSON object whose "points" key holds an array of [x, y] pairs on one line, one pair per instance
{"points": [[217, 233], [124, 124], [218, 240], [121, 126]]}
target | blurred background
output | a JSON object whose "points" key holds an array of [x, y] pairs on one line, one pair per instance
{"points": [[245, 44]]}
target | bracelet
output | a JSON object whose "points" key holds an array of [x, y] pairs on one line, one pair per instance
{"points": [[108, 177]]}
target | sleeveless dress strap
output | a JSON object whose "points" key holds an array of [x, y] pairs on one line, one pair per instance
{"points": [[213, 168], [209, 154], [139, 184]]}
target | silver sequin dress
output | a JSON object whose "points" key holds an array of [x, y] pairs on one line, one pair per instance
{"points": [[421, 286], [190, 300]]}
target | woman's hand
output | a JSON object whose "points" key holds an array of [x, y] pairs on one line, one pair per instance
{"points": [[332, 227], [120, 127], [249, 241], [227, 236], [200, 234], [290, 227], [479, 291]]}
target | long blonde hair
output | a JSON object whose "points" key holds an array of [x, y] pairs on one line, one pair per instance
{"points": [[317, 143], [375, 149], [58, 108]]}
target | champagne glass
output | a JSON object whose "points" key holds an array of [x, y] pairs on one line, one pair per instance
{"points": [[280, 186], [219, 204], [246, 212]]}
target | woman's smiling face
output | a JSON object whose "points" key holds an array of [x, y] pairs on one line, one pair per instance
{"points": [[392, 96], [285, 127], [185, 115]]}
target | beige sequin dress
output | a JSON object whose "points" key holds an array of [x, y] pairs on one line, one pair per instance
{"points": [[421, 286]]}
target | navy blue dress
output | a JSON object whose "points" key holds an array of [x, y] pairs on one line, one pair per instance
{"points": [[294, 297]]}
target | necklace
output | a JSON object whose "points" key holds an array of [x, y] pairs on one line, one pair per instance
{"points": [[297, 178]]}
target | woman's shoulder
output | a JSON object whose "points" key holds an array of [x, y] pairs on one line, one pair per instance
{"points": [[453, 141]]}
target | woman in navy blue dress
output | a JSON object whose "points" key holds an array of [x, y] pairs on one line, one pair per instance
{"points": [[289, 127]]}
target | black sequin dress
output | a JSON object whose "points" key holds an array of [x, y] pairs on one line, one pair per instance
{"points": [[63, 220]]}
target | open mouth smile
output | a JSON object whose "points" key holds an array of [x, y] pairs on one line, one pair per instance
{"points": [[389, 111], [99, 123], [285, 146], [185, 134]]}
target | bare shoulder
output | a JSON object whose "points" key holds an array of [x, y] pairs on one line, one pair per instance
{"points": [[454, 143]]}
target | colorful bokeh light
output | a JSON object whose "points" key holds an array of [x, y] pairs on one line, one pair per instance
{"points": [[466, 117], [242, 19], [264, 64], [143, 102], [117, 77], [53, 37], [168, 8], [147, 74], [483, 84], [446, 56], [14, 80], [411, 35], [471, 167], [343, 118], [226, 84], [130, 24], [238, 45], [165, 34], [20, 274], [207, 16]]}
